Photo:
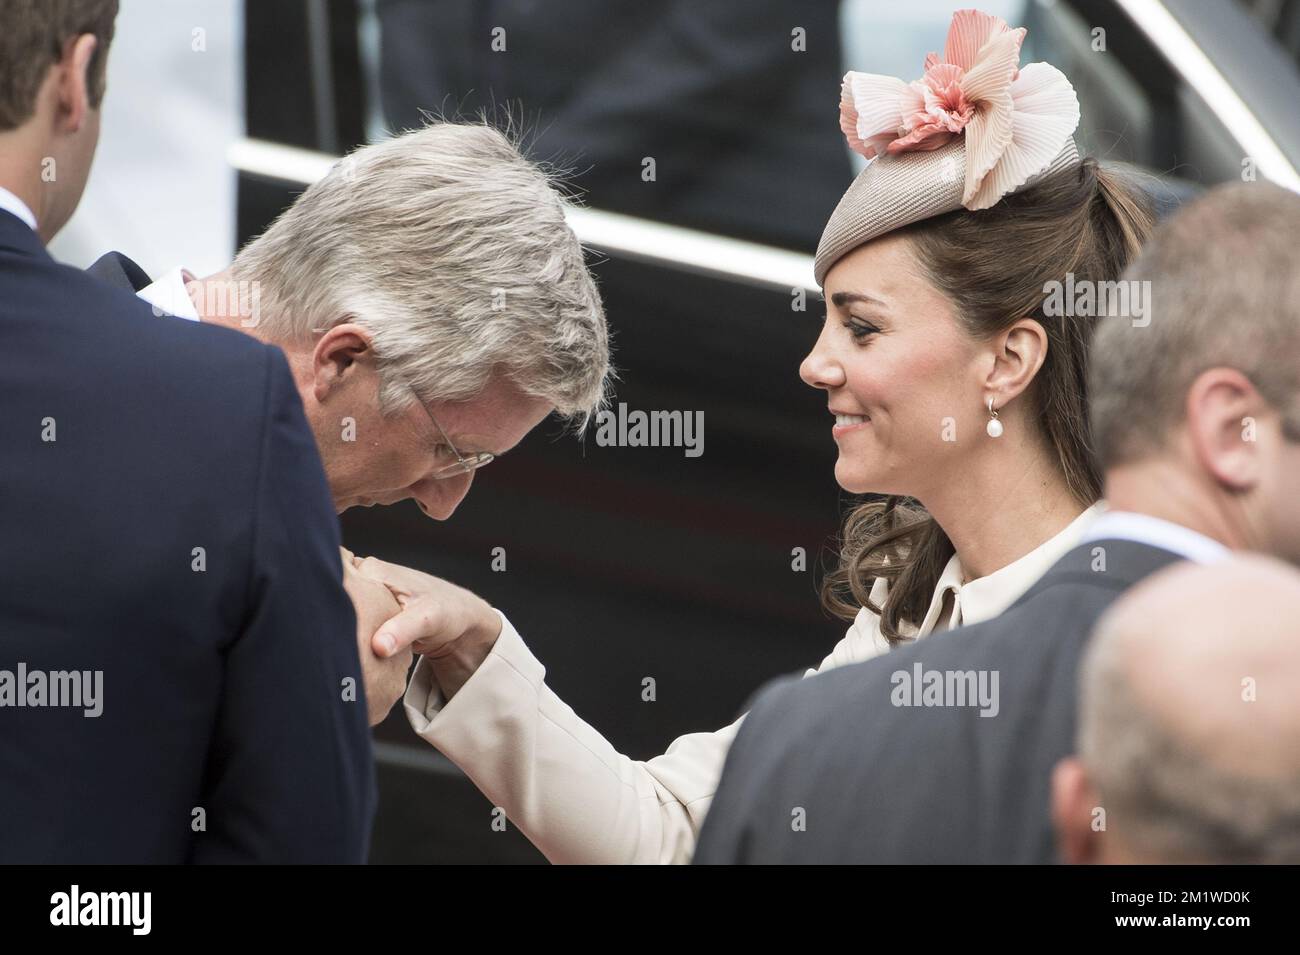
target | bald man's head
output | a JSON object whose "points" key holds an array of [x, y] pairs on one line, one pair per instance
{"points": [[1189, 735]]}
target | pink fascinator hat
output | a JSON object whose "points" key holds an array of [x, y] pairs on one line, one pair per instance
{"points": [[974, 128]]}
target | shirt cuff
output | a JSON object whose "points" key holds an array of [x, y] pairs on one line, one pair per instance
{"points": [[427, 708]]}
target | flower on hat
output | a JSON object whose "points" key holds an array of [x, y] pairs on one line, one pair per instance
{"points": [[1014, 121]]}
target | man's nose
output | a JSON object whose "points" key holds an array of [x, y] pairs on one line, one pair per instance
{"points": [[439, 499]]}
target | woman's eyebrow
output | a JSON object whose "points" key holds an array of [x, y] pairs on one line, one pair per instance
{"points": [[840, 299]]}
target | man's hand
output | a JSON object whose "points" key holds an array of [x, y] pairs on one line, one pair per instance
{"points": [[385, 678], [452, 628]]}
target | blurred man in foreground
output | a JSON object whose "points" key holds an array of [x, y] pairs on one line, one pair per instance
{"points": [[1189, 723]]}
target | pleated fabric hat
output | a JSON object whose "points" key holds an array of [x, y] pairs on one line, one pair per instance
{"points": [[973, 129]]}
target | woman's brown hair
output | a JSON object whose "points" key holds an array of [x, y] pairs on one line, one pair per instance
{"points": [[994, 266]]}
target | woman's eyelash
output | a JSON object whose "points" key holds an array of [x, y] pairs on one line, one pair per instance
{"points": [[859, 329]]}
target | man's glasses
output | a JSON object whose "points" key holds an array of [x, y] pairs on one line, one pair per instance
{"points": [[464, 463]]}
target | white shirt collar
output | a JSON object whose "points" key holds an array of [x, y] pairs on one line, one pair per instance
{"points": [[1145, 529], [169, 295], [986, 597], [11, 203]]}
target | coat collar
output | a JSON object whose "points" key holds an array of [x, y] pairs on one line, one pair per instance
{"points": [[1111, 562]]}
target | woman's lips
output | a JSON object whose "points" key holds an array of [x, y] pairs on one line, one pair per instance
{"points": [[846, 423]]}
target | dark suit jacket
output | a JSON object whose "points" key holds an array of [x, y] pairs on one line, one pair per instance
{"points": [[221, 667], [878, 782], [116, 269]]}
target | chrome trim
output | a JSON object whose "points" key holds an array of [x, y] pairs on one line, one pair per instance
{"points": [[1189, 60], [621, 236]]}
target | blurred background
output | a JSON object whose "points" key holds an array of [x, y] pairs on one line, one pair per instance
{"points": [[628, 563]]}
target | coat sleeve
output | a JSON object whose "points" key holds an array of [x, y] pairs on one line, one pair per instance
{"points": [[558, 779], [290, 778]]}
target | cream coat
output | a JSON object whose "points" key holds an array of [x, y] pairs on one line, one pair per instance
{"points": [[581, 801]]}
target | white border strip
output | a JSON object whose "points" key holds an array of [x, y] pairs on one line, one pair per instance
{"points": [[614, 234], [693, 251], [1168, 35], [259, 157]]}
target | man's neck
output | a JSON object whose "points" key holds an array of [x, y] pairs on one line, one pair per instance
{"points": [[223, 299], [21, 175], [28, 170], [213, 300], [1159, 487]]}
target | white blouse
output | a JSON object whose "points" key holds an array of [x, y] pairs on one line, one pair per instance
{"points": [[581, 801]]}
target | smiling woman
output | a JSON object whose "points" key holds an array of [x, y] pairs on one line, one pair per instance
{"points": [[932, 330]]}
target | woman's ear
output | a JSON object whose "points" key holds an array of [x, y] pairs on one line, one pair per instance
{"points": [[1019, 352], [340, 354]]}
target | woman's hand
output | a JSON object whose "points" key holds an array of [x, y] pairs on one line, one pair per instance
{"points": [[449, 626], [375, 604]]}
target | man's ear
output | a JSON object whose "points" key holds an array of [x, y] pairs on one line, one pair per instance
{"points": [[73, 83], [337, 357], [1018, 354], [1222, 408], [1074, 802]]}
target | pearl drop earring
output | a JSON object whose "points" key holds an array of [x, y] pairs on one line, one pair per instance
{"points": [[994, 427]]}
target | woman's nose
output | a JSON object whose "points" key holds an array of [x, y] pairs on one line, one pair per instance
{"points": [[820, 369]]}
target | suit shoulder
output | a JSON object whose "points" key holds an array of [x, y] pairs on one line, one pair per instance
{"points": [[89, 295], [225, 359], [790, 707], [1021, 635]]}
